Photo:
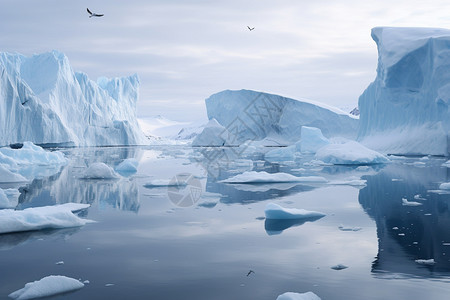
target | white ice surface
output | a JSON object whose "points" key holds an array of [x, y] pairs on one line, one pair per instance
{"points": [[425, 261], [444, 186], [99, 171], [349, 153], [7, 176], [37, 218], [9, 198], [254, 177], [405, 202], [298, 296], [47, 286], [312, 139], [214, 135], [275, 211]]}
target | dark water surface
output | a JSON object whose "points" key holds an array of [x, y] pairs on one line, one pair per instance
{"points": [[143, 246]]}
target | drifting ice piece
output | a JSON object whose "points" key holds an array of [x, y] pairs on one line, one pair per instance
{"points": [[298, 296], [275, 211], [47, 286]]}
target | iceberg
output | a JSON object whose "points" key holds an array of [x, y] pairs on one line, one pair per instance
{"points": [[44, 101], [275, 211], [129, 165], [213, 135], [349, 153], [406, 109], [38, 218], [254, 177], [250, 115], [298, 296], [312, 140], [46, 287], [6, 176]]}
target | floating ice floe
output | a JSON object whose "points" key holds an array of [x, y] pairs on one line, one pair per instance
{"points": [[31, 154], [298, 296], [275, 211], [252, 177], [37, 218], [426, 261], [405, 202], [444, 186], [46, 287], [446, 164], [99, 171], [353, 182], [349, 153], [129, 165]]}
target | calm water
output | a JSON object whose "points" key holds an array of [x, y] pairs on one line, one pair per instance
{"points": [[143, 246]]}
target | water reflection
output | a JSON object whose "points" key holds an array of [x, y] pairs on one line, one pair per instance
{"points": [[408, 233], [67, 185], [273, 226], [11, 240]]}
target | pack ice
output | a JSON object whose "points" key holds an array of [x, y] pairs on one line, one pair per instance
{"points": [[44, 101], [405, 110], [250, 115]]}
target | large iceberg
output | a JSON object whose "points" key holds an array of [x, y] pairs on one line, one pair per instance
{"points": [[44, 101], [251, 115], [405, 110]]}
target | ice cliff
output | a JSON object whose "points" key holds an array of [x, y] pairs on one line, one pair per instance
{"points": [[44, 101], [251, 115], [406, 109]]}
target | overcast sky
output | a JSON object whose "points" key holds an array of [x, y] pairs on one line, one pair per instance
{"points": [[186, 50]]}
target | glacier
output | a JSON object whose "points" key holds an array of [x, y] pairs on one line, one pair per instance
{"points": [[251, 115], [405, 110], [43, 100]]}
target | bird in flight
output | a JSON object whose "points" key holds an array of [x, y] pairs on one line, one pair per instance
{"points": [[250, 28], [93, 14], [250, 272]]}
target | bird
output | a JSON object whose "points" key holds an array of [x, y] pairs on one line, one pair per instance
{"points": [[250, 272], [93, 14], [250, 28]]}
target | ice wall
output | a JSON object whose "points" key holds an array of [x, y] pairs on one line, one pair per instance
{"points": [[251, 115], [44, 101], [405, 110]]}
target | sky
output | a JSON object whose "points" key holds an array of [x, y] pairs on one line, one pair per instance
{"points": [[186, 50]]}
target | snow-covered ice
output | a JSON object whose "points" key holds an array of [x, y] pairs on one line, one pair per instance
{"points": [[298, 296], [99, 171], [37, 218], [254, 177], [352, 181], [339, 267], [46, 287], [275, 211], [44, 101], [251, 115], [214, 135], [405, 110], [30, 154], [6, 176], [349, 153]]}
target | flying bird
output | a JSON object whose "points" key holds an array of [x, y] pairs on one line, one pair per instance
{"points": [[250, 272], [250, 28], [93, 14]]}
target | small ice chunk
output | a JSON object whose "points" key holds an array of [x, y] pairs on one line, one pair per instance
{"points": [[59, 263], [275, 211], [312, 139], [129, 165], [425, 261], [405, 202], [264, 177], [419, 197], [298, 296], [99, 171], [353, 182], [109, 284], [9, 198], [47, 286], [339, 267], [86, 282], [395, 228], [444, 186], [37, 218]]}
